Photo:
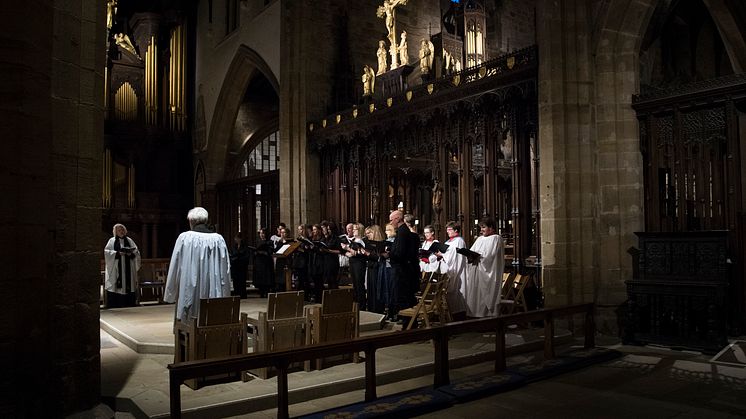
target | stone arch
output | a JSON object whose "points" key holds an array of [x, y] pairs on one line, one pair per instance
{"points": [[246, 63], [727, 18]]}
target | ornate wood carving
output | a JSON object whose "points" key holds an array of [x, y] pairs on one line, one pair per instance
{"points": [[469, 136], [680, 296]]}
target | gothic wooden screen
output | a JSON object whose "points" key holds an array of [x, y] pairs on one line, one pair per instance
{"points": [[460, 148], [690, 142]]}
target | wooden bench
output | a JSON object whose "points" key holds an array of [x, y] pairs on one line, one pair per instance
{"points": [[282, 326], [337, 318], [219, 331]]}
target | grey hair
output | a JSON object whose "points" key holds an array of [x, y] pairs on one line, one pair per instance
{"points": [[114, 229], [197, 215]]}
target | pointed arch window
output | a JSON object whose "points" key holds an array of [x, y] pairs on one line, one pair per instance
{"points": [[264, 158]]}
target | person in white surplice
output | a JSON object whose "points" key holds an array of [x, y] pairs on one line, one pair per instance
{"points": [[122, 259], [200, 267], [484, 276], [454, 264], [429, 262]]}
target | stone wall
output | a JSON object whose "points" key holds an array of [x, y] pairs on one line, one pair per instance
{"points": [[51, 69]]}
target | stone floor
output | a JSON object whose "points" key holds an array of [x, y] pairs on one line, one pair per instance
{"points": [[645, 382]]}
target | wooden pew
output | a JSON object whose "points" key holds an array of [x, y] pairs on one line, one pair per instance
{"points": [[219, 331], [336, 319], [282, 326]]}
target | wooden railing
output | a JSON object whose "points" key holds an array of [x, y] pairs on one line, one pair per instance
{"points": [[438, 334]]}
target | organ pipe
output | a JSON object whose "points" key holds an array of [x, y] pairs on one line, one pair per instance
{"points": [[177, 79], [125, 103], [131, 187], [151, 84]]}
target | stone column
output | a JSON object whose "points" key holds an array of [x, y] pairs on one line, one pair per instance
{"points": [[300, 92], [620, 172], [591, 167], [51, 71], [568, 172]]}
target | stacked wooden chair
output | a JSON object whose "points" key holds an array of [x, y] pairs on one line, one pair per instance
{"points": [[431, 302], [284, 325], [219, 331], [513, 298], [336, 318]]}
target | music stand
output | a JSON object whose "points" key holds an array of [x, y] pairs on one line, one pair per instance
{"points": [[285, 252]]}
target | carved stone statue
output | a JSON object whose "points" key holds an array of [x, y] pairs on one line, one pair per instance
{"points": [[427, 50], [394, 56], [123, 41], [403, 54], [369, 80], [381, 54], [437, 196], [111, 11], [457, 65], [388, 10]]}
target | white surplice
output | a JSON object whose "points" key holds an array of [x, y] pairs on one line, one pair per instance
{"points": [[200, 268], [483, 280], [432, 263], [454, 264], [112, 265]]}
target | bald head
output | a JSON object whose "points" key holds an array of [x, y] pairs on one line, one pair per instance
{"points": [[396, 218]]}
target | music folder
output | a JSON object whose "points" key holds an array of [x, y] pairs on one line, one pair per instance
{"points": [[470, 254], [435, 247]]}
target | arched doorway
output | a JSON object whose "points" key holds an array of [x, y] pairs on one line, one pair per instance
{"points": [[249, 197]]}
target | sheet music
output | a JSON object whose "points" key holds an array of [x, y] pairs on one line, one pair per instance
{"points": [[283, 249]]}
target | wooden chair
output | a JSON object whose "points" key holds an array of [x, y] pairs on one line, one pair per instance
{"points": [[151, 280], [282, 326], [513, 296], [507, 304], [431, 304], [219, 331], [336, 318]]}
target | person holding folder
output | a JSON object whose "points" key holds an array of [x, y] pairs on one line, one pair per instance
{"points": [[484, 272]]}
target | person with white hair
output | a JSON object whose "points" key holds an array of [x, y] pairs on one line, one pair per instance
{"points": [[200, 267], [122, 259]]}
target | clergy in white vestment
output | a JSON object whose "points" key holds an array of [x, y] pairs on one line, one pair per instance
{"points": [[484, 277], [454, 264], [200, 267], [122, 259]]}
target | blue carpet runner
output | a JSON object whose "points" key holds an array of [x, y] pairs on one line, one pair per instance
{"points": [[421, 401]]}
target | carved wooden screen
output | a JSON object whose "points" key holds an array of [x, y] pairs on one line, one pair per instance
{"points": [[691, 148], [687, 170], [460, 149]]}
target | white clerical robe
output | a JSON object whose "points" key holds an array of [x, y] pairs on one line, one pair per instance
{"points": [[200, 268], [454, 264], [112, 266], [484, 280], [432, 262]]}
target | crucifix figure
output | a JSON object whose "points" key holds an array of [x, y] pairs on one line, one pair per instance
{"points": [[388, 11]]}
